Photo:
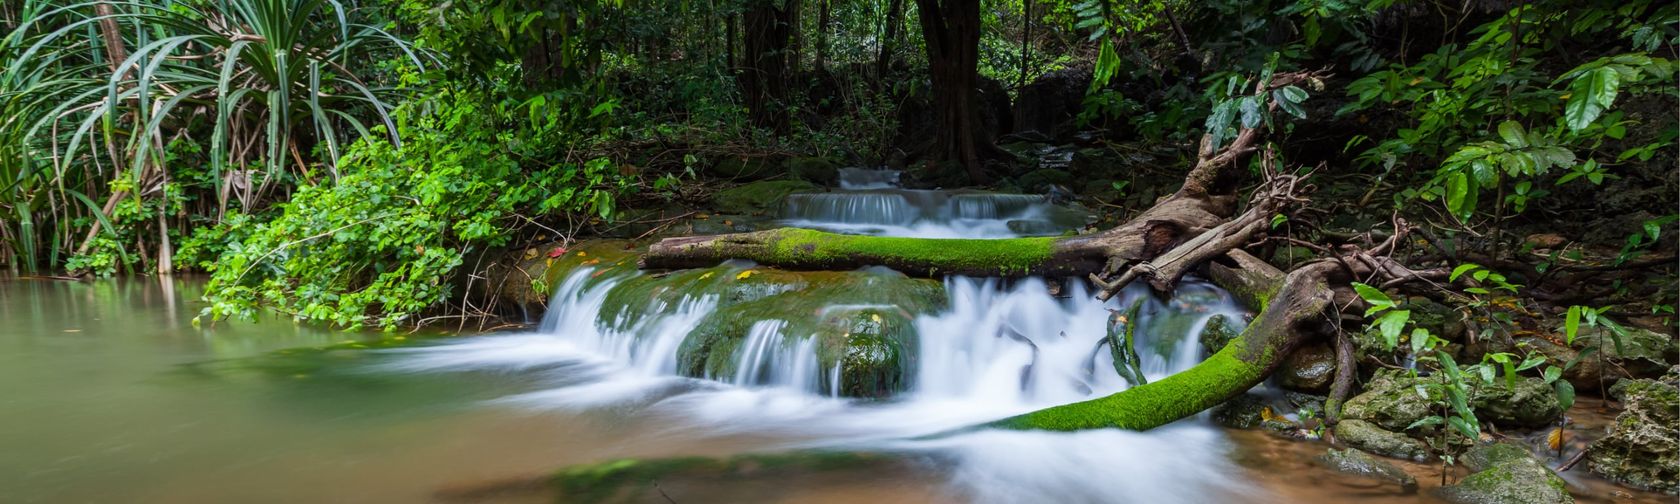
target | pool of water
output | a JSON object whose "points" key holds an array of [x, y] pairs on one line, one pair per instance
{"points": [[111, 395]]}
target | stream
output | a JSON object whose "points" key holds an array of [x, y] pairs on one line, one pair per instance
{"points": [[111, 394]]}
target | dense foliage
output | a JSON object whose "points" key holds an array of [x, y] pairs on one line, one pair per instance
{"points": [[341, 162]]}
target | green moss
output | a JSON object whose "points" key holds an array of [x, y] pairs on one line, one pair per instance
{"points": [[1158, 403], [758, 197], [1006, 257]]}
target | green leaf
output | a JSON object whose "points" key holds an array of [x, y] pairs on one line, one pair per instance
{"points": [[1589, 95], [1374, 297], [1513, 134], [1461, 270], [1572, 324], [1425, 422], [1552, 373], [1565, 393], [1391, 323], [1250, 107], [1464, 427], [1419, 338], [1458, 192]]}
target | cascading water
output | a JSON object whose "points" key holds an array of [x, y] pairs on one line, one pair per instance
{"points": [[994, 349]]}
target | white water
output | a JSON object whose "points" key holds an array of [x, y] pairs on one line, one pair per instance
{"points": [[996, 351]]}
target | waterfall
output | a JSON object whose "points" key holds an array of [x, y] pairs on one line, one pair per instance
{"points": [[993, 348]]}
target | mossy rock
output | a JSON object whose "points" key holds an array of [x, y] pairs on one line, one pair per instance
{"points": [[816, 170], [1508, 475], [1642, 449], [1642, 354], [542, 268], [758, 197], [1040, 180], [1241, 412], [1488, 456], [1308, 369], [1358, 463], [1372, 438], [1218, 332], [1391, 401], [863, 322], [631, 480]]}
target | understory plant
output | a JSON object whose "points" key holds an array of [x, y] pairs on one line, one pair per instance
{"points": [[381, 245]]}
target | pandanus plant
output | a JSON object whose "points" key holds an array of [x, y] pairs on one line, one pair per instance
{"points": [[91, 92]]}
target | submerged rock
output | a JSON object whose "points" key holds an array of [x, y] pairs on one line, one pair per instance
{"points": [[758, 197], [1506, 474], [1369, 437], [1358, 463], [1241, 412], [1309, 369], [1643, 447], [1218, 332]]}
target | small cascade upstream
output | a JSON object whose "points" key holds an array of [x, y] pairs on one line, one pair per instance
{"points": [[991, 349]]}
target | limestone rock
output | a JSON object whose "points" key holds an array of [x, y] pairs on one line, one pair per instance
{"points": [[1358, 463]]}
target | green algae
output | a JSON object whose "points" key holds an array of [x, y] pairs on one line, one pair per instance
{"points": [[626, 478]]}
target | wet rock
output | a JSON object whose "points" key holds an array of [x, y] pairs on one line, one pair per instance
{"points": [[1308, 369], [1441, 320], [1358, 463], [1506, 474], [1372, 438], [1241, 412], [861, 321], [1642, 354], [1308, 404], [816, 170], [758, 197], [1040, 180], [1218, 332], [1391, 400], [1643, 447], [1530, 403]]}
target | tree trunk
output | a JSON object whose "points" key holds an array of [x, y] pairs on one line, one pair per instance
{"points": [[889, 37], [768, 29], [951, 32], [822, 34]]}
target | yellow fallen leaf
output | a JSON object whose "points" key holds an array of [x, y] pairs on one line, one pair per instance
{"points": [[744, 275], [705, 276], [582, 253], [875, 317], [591, 262], [530, 253], [1555, 439]]}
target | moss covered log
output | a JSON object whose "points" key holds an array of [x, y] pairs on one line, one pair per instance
{"points": [[807, 249], [1296, 311]]}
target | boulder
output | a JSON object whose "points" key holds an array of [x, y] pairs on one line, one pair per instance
{"points": [[758, 197], [1391, 400], [1506, 474], [1308, 369], [1642, 354], [1642, 448], [1372, 438], [1038, 181], [1358, 463], [816, 170]]}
